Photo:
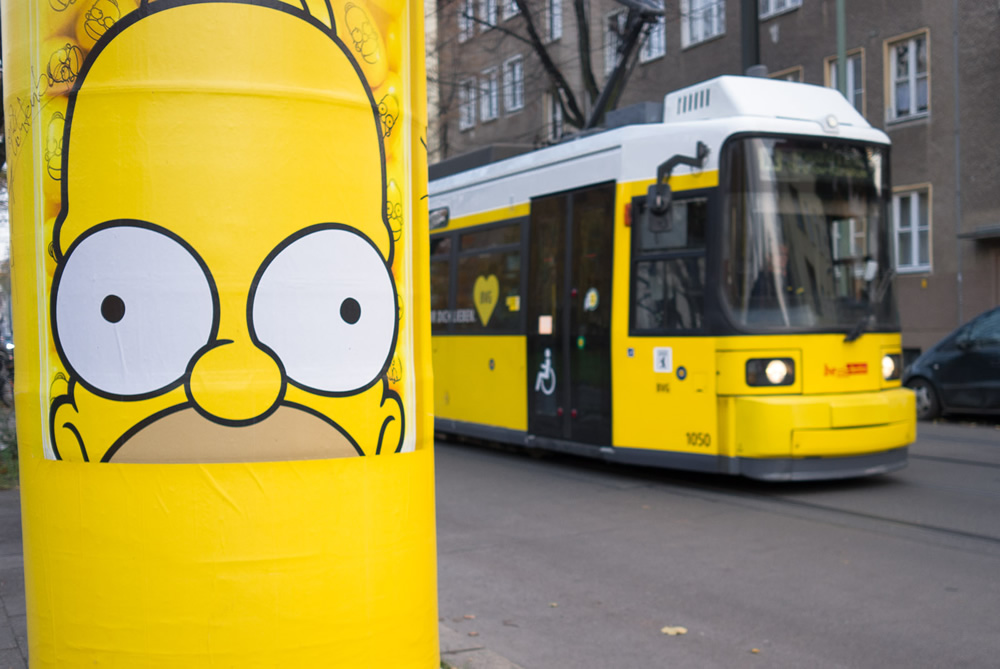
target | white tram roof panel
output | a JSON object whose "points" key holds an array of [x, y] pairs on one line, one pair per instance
{"points": [[731, 96], [709, 112]]}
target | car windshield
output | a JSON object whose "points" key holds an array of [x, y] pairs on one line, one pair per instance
{"points": [[807, 236]]}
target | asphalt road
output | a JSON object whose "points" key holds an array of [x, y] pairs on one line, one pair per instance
{"points": [[577, 564]]}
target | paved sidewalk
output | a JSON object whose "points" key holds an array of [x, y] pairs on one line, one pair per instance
{"points": [[13, 628], [462, 652]]}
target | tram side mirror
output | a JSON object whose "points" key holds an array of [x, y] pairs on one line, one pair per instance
{"points": [[648, 221], [658, 199]]}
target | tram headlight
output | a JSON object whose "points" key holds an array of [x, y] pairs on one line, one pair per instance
{"points": [[770, 372], [892, 366]]}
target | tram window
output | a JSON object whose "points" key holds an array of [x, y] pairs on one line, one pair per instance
{"points": [[488, 298], [440, 280], [499, 236], [441, 246], [682, 227], [669, 294]]}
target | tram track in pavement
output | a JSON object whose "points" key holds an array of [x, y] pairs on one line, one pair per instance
{"points": [[751, 494], [774, 497]]}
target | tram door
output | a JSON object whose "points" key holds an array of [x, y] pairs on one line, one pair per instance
{"points": [[569, 315]]}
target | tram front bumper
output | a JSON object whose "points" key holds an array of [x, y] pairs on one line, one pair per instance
{"points": [[819, 436]]}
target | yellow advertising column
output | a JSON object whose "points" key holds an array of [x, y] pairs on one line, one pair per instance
{"points": [[219, 244]]}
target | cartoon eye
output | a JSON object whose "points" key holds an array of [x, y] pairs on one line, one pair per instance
{"points": [[131, 307], [326, 305]]}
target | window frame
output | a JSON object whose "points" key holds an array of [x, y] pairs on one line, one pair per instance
{"points": [[764, 14], [508, 88], [889, 58], [782, 75], [455, 254], [636, 256], [553, 20], [913, 192], [489, 13], [611, 51], [554, 121], [509, 9], [489, 93], [660, 30], [466, 22], [468, 99], [830, 81], [687, 40]]}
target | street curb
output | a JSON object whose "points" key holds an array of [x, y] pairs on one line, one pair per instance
{"points": [[462, 652]]}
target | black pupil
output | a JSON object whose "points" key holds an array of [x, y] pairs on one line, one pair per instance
{"points": [[350, 311], [113, 308]]}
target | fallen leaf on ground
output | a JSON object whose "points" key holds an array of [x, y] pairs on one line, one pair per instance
{"points": [[553, 604], [755, 650], [473, 633], [674, 631], [469, 616]]}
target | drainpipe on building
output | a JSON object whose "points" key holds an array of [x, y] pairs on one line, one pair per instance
{"points": [[841, 48], [751, 38], [958, 159]]}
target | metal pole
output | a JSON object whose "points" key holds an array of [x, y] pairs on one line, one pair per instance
{"points": [[841, 49], [750, 32], [958, 159]]}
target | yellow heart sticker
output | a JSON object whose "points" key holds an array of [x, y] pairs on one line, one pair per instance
{"points": [[485, 293]]}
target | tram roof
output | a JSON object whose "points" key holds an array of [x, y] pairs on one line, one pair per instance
{"points": [[710, 112]]}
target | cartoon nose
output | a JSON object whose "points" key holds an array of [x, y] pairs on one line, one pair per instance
{"points": [[235, 382]]}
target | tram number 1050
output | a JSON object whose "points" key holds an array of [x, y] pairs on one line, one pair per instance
{"points": [[703, 439]]}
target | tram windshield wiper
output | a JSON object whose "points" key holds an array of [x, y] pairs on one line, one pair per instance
{"points": [[859, 329], [868, 320]]}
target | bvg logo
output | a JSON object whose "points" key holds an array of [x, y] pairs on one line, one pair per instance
{"points": [[851, 369]]}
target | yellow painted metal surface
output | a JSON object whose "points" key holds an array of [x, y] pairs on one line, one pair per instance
{"points": [[481, 379], [763, 427], [250, 524], [505, 213]]}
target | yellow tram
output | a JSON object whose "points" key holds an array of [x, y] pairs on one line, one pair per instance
{"points": [[710, 292]]}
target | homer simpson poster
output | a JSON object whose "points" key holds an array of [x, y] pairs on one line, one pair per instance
{"points": [[223, 287], [219, 249]]}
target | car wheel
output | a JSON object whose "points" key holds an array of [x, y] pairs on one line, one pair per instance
{"points": [[928, 406]]}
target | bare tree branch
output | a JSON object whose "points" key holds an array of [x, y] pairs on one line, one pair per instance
{"points": [[567, 99], [583, 40]]}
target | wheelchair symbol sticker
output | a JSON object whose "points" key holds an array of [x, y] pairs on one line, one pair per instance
{"points": [[545, 382]]}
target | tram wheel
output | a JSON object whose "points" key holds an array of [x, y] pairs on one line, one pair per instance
{"points": [[928, 406]]}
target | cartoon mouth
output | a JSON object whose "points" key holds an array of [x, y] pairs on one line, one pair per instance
{"points": [[185, 436]]}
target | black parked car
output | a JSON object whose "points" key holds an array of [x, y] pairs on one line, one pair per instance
{"points": [[961, 373]]}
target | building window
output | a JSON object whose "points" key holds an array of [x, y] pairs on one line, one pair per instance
{"points": [[555, 117], [855, 78], [489, 94], [702, 20], [614, 29], [466, 19], [789, 74], [487, 14], [510, 9], [911, 221], [769, 8], [513, 84], [655, 44], [467, 104], [553, 19], [909, 78]]}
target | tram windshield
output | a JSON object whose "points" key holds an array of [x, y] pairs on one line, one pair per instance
{"points": [[806, 244]]}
